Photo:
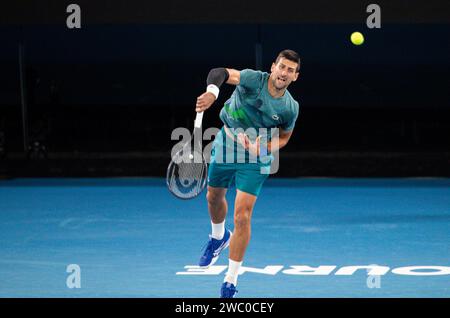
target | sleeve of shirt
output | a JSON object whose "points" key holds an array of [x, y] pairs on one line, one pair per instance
{"points": [[251, 79], [290, 123]]}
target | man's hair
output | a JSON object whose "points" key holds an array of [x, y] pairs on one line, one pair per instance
{"points": [[291, 56]]}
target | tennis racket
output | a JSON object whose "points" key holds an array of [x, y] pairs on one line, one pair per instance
{"points": [[187, 172]]}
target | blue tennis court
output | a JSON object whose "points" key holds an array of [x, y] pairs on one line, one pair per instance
{"points": [[131, 238]]}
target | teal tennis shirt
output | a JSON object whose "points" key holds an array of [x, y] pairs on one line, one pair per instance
{"points": [[254, 111], [252, 106]]}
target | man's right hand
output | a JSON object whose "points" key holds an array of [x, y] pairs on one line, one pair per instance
{"points": [[204, 101]]}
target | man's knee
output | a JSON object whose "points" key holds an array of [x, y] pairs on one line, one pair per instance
{"points": [[215, 196], [242, 216]]}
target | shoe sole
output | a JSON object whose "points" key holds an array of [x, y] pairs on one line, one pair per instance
{"points": [[214, 259]]}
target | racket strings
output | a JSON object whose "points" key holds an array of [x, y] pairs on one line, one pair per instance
{"points": [[187, 175], [188, 178]]}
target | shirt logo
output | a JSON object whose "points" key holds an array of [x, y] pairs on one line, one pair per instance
{"points": [[275, 117]]}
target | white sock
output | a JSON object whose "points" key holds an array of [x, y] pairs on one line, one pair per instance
{"points": [[233, 271], [218, 230]]}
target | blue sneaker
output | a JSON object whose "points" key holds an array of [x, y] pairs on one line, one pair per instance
{"points": [[228, 290], [213, 249]]}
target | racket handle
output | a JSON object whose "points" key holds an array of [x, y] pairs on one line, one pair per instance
{"points": [[198, 120]]}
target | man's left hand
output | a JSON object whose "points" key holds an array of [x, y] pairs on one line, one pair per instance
{"points": [[252, 147]]}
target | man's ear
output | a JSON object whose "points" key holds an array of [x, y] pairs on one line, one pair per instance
{"points": [[296, 76], [272, 67]]}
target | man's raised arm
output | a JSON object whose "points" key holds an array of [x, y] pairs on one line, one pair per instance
{"points": [[216, 77]]}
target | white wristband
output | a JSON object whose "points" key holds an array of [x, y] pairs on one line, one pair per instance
{"points": [[213, 89]]}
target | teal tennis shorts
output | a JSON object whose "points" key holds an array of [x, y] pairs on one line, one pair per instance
{"points": [[248, 177]]}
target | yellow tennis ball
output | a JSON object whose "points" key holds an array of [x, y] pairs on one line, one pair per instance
{"points": [[357, 38]]}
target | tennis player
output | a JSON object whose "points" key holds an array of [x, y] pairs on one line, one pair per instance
{"points": [[259, 101]]}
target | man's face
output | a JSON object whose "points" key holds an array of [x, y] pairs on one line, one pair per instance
{"points": [[283, 73]]}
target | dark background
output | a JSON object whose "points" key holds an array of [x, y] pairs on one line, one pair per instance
{"points": [[103, 100]]}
